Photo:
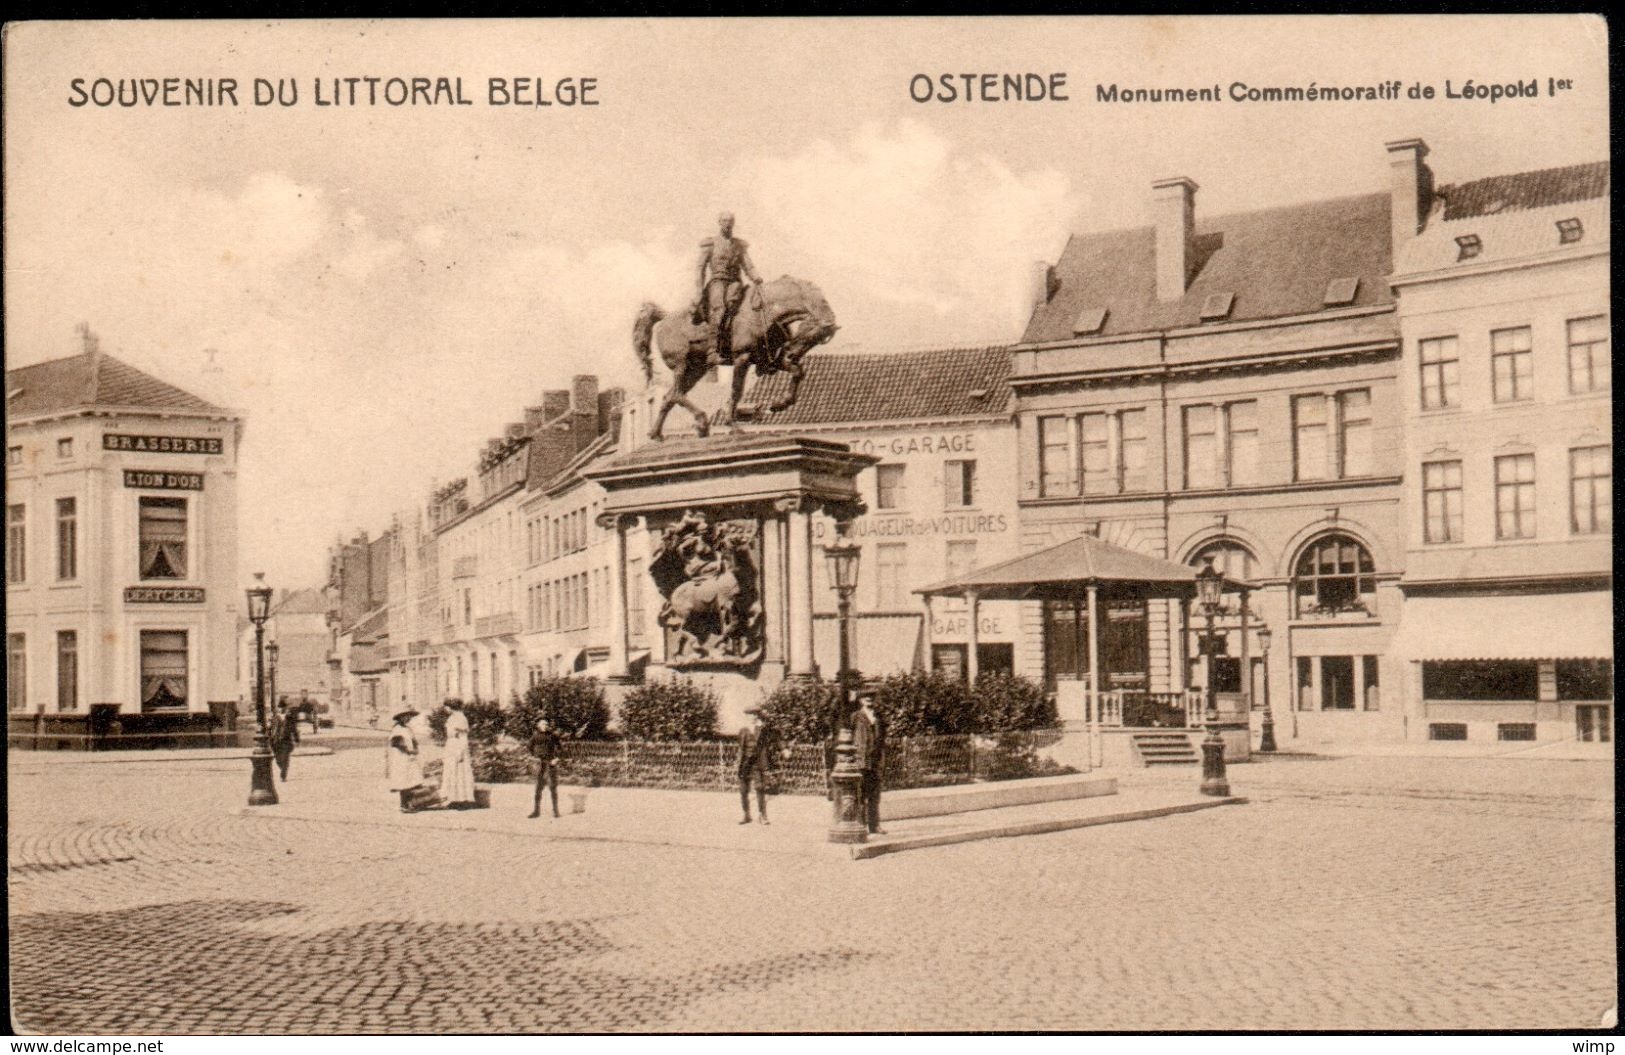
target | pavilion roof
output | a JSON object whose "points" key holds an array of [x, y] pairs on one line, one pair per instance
{"points": [[1080, 562]]}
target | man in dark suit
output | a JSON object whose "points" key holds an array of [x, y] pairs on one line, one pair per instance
{"points": [[544, 743], [284, 734], [758, 759], [869, 746]]}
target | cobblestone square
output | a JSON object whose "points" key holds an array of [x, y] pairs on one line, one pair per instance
{"points": [[1357, 893]]}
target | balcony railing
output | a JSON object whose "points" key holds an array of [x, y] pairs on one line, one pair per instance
{"points": [[1152, 710]]}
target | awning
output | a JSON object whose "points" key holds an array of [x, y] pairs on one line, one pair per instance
{"points": [[635, 661], [1509, 626], [1082, 561], [881, 644]]}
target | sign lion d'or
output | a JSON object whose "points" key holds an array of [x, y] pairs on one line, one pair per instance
{"points": [[150, 480], [163, 595], [124, 441]]}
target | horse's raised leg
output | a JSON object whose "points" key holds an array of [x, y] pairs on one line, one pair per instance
{"points": [[792, 366], [660, 415]]}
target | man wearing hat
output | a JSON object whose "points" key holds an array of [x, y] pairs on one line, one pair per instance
{"points": [[401, 766], [544, 743], [757, 761], [284, 736], [869, 745]]}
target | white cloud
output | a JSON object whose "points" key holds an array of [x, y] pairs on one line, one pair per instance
{"points": [[911, 228]]}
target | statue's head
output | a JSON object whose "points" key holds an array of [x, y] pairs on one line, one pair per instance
{"points": [[725, 224]]}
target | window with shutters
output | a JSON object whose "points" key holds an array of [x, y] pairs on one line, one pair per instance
{"points": [[959, 484]]}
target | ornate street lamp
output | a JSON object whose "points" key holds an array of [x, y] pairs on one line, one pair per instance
{"points": [[1267, 741], [1209, 587], [261, 791], [847, 825]]}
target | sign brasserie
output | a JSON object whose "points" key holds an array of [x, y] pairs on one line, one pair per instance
{"points": [[161, 481], [163, 595], [124, 441]]}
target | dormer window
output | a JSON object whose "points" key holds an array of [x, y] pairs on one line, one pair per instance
{"points": [[1217, 306], [1468, 246], [1090, 320], [1341, 291], [1570, 230]]}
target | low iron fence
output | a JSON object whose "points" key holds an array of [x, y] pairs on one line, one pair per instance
{"points": [[911, 762]]}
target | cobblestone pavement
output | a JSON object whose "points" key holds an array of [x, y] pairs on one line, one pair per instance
{"points": [[1348, 894]]}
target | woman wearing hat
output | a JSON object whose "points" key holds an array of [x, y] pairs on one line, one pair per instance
{"points": [[401, 762], [457, 762]]}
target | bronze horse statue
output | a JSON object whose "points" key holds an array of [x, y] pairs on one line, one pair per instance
{"points": [[777, 324]]}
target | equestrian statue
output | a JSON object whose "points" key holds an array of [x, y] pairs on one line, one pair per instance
{"points": [[772, 326]]}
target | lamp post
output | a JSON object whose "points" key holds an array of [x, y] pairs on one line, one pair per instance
{"points": [[261, 791], [847, 824], [1267, 741], [1209, 586]]}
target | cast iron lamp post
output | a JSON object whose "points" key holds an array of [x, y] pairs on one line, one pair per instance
{"points": [[845, 779], [1209, 586], [1267, 741], [261, 791]]}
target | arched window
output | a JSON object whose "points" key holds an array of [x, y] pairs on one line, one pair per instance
{"points": [[1334, 574], [1230, 558]]}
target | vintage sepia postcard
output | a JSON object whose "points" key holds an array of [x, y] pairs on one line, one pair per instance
{"points": [[684, 526]]}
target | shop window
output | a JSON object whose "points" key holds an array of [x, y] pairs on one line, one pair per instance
{"points": [[1515, 731], [1592, 723], [1447, 731], [1480, 680], [163, 538], [889, 487], [1337, 683], [67, 670], [164, 682], [1585, 679], [1334, 575]]}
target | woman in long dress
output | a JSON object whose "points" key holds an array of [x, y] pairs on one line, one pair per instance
{"points": [[401, 767], [457, 762]]}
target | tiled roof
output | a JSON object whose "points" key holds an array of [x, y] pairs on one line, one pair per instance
{"points": [[842, 387], [1084, 559], [1277, 262], [92, 379], [1524, 190]]}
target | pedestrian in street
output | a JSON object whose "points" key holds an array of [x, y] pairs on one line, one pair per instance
{"points": [[307, 707], [869, 744], [758, 764], [457, 761], [284, 734], [401, 767], [544, 743]]}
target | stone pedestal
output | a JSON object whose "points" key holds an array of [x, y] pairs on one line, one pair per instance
{"points": [[727, 506]]}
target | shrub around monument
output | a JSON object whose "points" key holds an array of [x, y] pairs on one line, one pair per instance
{"points": [[575, 706], [674, 709], [1007, 702], [485, 720], [924, 703], [800, 712]]}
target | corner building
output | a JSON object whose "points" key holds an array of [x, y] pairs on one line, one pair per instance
{"points": [[1506, 388], [122, 594]]}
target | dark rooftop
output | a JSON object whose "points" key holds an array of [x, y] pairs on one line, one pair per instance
{"points": [[840, 387], [92, 379], [1524, 190]]}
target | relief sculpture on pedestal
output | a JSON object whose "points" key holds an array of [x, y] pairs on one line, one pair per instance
{"points": [[709, 575]]}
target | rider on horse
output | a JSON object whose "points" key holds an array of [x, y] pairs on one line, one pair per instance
{"points": [[717, 296]]}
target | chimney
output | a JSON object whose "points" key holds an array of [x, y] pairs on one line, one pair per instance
{"points": [[609, 404], [1173, 207], [513, 431], [584, 394], [555, 402], [1410, 184], [534, 416], [1044, 283]]}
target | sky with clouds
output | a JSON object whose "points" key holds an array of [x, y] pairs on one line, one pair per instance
{"points": [[383, 288]]}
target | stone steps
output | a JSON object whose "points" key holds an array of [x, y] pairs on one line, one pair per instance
{"points": [[1165, 749]]}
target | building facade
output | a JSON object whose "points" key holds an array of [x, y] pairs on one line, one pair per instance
{"points": [[1225, 389], [122, 594], [1503, 299]]}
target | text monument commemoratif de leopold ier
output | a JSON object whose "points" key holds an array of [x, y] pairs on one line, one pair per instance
{"points": [[730, 516]]}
